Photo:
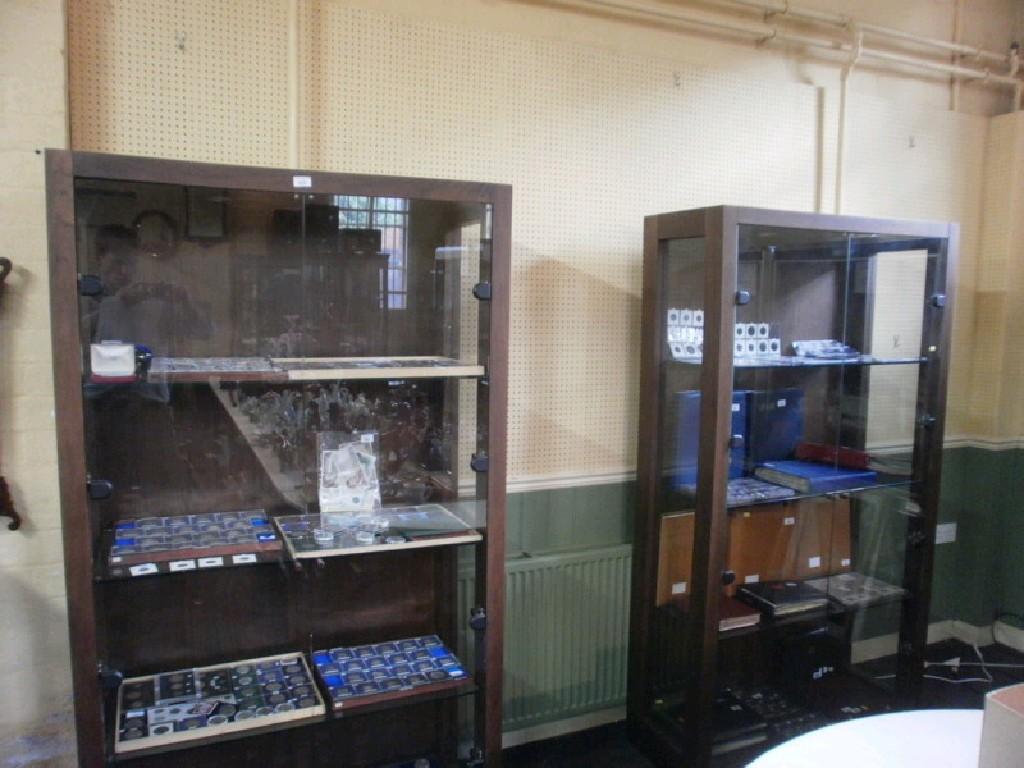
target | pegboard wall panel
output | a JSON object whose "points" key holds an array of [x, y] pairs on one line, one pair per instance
{"points": [[590, 140], [915, 162], [180, 79]]}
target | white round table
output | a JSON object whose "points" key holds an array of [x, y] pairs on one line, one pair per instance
{"points": [[936, 738]]}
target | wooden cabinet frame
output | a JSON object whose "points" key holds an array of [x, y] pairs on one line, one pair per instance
{"points": [[62, 169], [719, 226]]}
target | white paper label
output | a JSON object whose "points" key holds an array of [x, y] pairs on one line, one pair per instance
{"points": [[243, 559], [789, 521], [366, 438], [302, 182], [814, 562], [135, 713], [116, 559], [211, 562], [945, 533], [780, 403], [679, 588], [143, 570], [735, 407], [752, 578], [845, 562], [182, 565]]}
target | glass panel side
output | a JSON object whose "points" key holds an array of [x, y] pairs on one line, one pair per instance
{"points": [[681, 329]]}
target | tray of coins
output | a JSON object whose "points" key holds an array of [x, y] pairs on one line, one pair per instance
{"points": [[151, 545], [208, 702], [366, 675]]}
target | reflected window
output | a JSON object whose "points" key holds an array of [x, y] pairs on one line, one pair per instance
{"points": [[389, 215]]}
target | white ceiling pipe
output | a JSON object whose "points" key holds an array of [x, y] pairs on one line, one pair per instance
{"points": [[968, 51], [856, 49], [841, 20], [294, 86], [765, 34], [966, 73]]}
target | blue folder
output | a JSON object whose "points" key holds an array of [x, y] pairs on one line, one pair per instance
{"points": [[776, 424], [688, 436]]}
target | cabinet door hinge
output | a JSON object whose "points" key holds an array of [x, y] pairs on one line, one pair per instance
{"points": [[482, 291], [478, 619], [90, 285], [110, 678], [479, 462], [99, 490]]}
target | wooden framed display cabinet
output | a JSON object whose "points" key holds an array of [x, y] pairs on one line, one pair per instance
{"points": [[281, 410], [793, 387]]}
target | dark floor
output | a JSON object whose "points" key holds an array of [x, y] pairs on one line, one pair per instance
{"points": [[608, 747], [604, 747]]}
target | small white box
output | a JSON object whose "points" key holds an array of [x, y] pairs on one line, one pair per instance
{"points": [[751, 346], [762, 348], [750, 330], [774, 347], [686, 317], [112, 359], [675, 333], [762, 330], [741, 330], [673, 317], [698, 318], [739, 348]]}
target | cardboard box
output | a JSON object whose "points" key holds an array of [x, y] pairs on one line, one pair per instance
{"points": [[1002, 728]]}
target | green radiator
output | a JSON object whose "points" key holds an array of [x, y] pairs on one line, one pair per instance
{"points": [[566, 633]]}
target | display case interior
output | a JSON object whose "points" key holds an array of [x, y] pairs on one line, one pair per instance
{"points": [[285, 412], [787, 521]]}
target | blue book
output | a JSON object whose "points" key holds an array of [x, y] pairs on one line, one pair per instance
{"points": [[810, 477]]}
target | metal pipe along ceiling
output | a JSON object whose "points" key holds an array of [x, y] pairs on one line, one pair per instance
{"points": [[785, 9], [763, 33]]}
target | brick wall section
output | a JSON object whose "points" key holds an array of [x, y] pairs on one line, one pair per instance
{"points": [[35, 699]]}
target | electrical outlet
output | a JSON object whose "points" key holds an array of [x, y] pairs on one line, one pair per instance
{"points": [[945, 533]]}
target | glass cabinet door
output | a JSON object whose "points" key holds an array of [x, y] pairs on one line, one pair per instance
{"points": [[281, 380], [823, 507]]}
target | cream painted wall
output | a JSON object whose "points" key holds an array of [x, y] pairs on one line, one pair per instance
{"points": [[33, 631], [595, 122], [997, 408]]}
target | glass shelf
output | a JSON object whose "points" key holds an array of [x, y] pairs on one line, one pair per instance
{"points": [[266, 369], [685, 501], [387, 529], [793, 361]]}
